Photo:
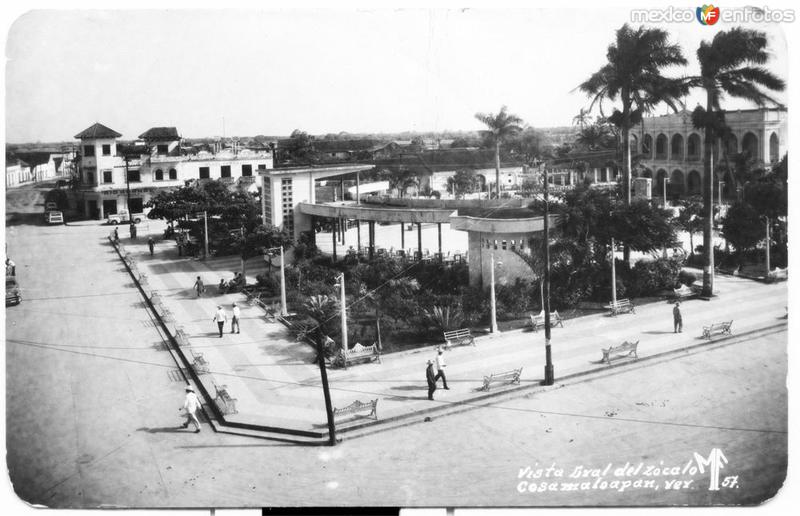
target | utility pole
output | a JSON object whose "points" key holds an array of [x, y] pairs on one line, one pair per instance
{"points": [[613, 275], [344, 316], [549, 378], [284, 312], [323, 372], [494, 303], [768, 245]]}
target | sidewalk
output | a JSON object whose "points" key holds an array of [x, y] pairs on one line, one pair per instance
{"points": [[276, 384]]}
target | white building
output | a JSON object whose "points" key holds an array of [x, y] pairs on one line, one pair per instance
{"points": [[109, 170], [672, 148]]}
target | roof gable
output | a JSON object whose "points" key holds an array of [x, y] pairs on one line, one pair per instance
{"points": [[97, 131], [161, 134]]}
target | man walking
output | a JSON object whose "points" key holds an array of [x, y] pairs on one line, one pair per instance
{"points": [[190, 406], [431, 377], [235, 319], [440, 365], [198, 286], [151, 244], [677, 319], [220, 319]]}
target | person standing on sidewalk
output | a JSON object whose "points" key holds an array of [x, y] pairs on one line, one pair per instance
{"points": [[431, 377], [220, 319], [676, 317], [116, 235], [151, 244], [190, 406], [199, 287], [440, 365], [235, 319], [11, 267]]}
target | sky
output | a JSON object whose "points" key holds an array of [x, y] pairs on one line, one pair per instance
{"points": [[247, 72]]}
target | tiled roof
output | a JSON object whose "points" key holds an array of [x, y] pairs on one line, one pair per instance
{"points": [[161, 133], [97, 131]]}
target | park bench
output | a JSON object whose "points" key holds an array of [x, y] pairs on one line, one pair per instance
{"points": [[180, 336], [199, 363], [508, 376], [358, 406], [625, 349], [224, 401], [622, 306], [723, 328], [685, 292], [778, 274], [358, 353], [460, 337], [537, 321]]}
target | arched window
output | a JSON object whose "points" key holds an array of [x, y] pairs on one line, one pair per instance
{"points": [[731, 145], [676, 184], [774, 152], [693, 182], [659, 186], [750, 145], [661, 146], [677, 147], [173, 174], [647, 145], [159, 174], [693, 146]]}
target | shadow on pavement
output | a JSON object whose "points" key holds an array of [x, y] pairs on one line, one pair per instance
{"points": [[657, 332], [166, 429]]}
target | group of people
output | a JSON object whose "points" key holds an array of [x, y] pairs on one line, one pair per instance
{"points": [[433, 377], [221, 318], [233, 285]]}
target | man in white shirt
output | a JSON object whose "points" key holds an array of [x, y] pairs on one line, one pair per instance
{"points": [[235, 320], [440, 365], [220, 319], [190, 405]]}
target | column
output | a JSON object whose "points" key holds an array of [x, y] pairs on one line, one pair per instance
{"points": [[439, 228], [403, 236], [419, 238], [371, 225], [334, 232]]}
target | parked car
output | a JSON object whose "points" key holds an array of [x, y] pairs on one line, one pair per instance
{"points": [[50, 206], [54, 217], [124, 216], [13, 295]]}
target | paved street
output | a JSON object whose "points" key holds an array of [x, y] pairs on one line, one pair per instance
{"points": [[92, 401]]}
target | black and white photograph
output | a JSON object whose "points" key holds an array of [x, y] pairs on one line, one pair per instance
{"points": [[418, 257]]}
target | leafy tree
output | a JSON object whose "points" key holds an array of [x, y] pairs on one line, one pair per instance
{"points": [[500, 127], [528, 145], [691, 218], [729, 65], [464, 181], [642, 226], [742, 227], [595, 137], [299, 148]]}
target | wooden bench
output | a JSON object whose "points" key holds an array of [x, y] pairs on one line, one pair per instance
{"points": [[253, 299], [223, 400], [723, 328], [358, 353], [625, 349], [199, 363], [622, 306], [460, 337], [358, 406], [685, 292], [537, 321], [508, 376]]}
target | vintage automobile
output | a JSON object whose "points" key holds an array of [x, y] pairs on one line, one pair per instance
{"points": [[54, 217], [13, 295], [124, 216]]}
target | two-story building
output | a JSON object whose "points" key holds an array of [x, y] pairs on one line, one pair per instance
{"points": [[671, 148], [116, 175]]}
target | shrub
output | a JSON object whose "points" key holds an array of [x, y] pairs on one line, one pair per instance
{"points": [[648, 277], [444, 318], [687, 277]]}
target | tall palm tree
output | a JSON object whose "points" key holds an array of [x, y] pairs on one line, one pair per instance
{"points": [[729, 65], [501, 127], [633, 76]]}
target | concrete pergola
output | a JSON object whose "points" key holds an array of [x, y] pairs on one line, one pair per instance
{"points": [[344, 211]]}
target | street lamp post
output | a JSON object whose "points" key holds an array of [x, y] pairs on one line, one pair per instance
{"points": [[205, 234], [719, 201], [613, 275], [768, 246], [549, 376], [344, 317], [666, 180]]}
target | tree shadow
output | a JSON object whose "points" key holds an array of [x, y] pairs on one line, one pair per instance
{"points": [[659, 332], [167, 429]]}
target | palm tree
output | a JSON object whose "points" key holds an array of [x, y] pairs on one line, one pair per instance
{"points": [[633, 75], [595, 137], [501, 127], [729, 65], [582, 118]]}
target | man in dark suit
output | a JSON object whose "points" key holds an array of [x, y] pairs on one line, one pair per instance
{"points": [[431, 376]]}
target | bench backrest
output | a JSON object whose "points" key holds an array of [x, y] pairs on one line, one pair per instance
{"points": [[455, 334], [358, 349], [621, 302]]}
